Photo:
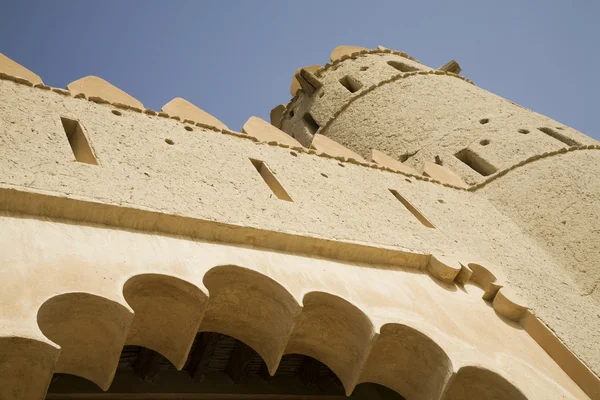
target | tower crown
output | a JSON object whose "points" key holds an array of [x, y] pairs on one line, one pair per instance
{"points": [[385, 100]]}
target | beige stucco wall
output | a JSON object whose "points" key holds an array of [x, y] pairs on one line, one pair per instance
{"points": [[206, 177]]}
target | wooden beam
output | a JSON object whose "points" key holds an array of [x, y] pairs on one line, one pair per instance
{"points": [[239, 361], [147, 364], [206, 343], [309, 371]]}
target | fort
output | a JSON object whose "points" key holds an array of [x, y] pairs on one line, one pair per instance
{"points": [[394, 232]]}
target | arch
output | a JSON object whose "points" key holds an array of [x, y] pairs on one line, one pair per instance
{"points": [[25, 367], [91, 332], [168, 312], [479, 383], [409, 362], [251, 307], [479, 275], [335, 332]]}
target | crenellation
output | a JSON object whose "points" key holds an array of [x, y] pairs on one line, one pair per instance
{"points": [[98, 90], [225, 131], [15, 71]]}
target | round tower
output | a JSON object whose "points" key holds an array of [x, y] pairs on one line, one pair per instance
{"points": [[385, 100]]}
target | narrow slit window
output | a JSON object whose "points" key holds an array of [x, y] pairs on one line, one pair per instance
{"points": [[79, 143], [401, 66], [413, 210], [311, 124], [475, 162], [559, 136], [350, 83], [270, 180]]}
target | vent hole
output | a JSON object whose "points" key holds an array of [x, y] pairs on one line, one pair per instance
{"points": [[188, 128], [475, 162], [169, 141], [401, 66], [116, 112], [350, 83], [413, 210], [270, 180], [484, 142], [311, 124], [291, 114], [407, 180], [559, 136], [364, 68], [341, 165], [294, 153], [324, 175], [78, 141], [523, 131], [484, 121]]}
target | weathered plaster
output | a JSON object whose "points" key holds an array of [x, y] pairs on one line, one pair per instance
{"points": [[155, 173]]}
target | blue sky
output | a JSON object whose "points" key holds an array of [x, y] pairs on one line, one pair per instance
{"points": [[235, 59]]}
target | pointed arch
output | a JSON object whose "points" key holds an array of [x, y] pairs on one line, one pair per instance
{"points": [[168, 312], [251, 307], [335, 332], [409, 362], [91, 332]]}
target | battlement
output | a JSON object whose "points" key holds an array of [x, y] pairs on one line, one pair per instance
{"points": [[94, 155]]}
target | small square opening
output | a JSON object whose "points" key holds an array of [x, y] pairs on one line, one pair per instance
{"points": [[351, 84], [311, 124], [270, 180], [79, 143], [475, 162]]}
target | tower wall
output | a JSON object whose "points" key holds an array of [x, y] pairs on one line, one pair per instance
{"points": [[364, 71], [556, 201], [417, 117]]}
